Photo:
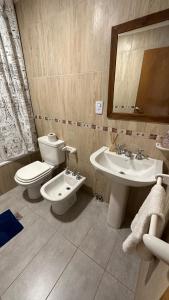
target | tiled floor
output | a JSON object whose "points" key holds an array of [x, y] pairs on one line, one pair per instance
{"points": [[75, 257]]}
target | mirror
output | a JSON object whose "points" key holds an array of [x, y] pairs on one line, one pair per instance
{"points": [[139, 69]]}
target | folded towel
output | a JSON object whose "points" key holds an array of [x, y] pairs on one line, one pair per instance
{"points": [[154, 204]]}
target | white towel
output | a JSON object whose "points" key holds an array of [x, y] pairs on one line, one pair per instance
{"points": [[154, 204]]}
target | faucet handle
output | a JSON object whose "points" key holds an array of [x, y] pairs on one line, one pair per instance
{"points": [[67, 171], [128, 153], [140, 151], [140, 154], [117, 146], [123, 147], [78, 176], [120, 148], [74, 172]]}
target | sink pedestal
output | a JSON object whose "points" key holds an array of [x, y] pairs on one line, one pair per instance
{"points": [[117, 204]]}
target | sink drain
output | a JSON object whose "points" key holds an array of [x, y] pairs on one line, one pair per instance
{"points": [[60, 194], [123, 173]]}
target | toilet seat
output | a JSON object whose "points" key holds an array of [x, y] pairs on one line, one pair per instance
{"points": [[23, 182], [33, 172]]}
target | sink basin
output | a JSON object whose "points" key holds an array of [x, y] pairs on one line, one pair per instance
{"points": [[123, 172]]}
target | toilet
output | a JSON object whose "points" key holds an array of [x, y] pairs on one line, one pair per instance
{"points": [[34, 175], [61, 191]]}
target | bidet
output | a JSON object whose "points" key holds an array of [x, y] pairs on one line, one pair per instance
{"points": [[61, 191]]}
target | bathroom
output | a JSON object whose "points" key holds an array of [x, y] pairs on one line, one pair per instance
{"points": [[76, 81]]}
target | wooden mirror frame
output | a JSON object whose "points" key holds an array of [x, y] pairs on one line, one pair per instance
{"points": [[147, 20]]}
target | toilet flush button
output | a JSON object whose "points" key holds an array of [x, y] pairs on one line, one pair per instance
{"points": [[99, 107]]}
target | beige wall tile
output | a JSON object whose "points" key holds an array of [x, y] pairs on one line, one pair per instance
{"points": [[67, 48], [66, 45]]}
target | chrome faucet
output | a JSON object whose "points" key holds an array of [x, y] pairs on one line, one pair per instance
{"points": [[128, 153], [120, 149], [74, 173], [140, 154], [78, 176], [67, 171]]}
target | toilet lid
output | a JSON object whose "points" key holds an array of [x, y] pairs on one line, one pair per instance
{"points": [[32, 171]]}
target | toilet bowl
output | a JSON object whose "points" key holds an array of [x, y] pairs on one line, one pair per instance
{"points": [[34, 175], [61, 191]]}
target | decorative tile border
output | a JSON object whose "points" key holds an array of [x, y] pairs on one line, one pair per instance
{"points": [[150, 136]]}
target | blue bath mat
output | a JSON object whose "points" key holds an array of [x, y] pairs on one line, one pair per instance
{"points": [[9, 227]]}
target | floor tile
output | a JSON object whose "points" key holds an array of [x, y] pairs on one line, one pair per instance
{"points": [[32, 261], [43, 209], [39, 277], [79, 281], [123, 266], [12, 200], [21, 250], [79, 224], [75, 224], [76, 230], [99, 243], [27, 216], [97, 211], [111, 289], [13, 194]]}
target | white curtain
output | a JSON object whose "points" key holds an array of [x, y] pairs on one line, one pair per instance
{"points": [[17, 128]]}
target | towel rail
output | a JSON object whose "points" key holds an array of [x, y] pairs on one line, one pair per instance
{"points": [[154, 244], [153, 225], [157, 247]]}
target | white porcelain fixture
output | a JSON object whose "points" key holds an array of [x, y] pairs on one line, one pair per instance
{"points": [[61, 191], [37, 173], [123, 172]]}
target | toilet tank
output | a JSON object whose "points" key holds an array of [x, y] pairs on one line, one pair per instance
{"points": [[51, 152]]}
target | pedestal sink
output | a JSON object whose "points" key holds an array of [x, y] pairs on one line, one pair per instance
{"points": [[123, 173]]}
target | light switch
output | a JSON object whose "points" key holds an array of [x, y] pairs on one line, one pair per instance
{"points": [[99, 107]]}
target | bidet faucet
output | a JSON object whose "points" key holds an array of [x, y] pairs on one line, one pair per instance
{"points": [[78, 176], [67, 171], [74, 173]]}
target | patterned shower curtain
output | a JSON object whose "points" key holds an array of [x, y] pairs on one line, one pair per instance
{"points": [[17, 128]]}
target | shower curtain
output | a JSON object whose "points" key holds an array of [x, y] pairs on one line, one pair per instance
{"points": [[17, 128]]}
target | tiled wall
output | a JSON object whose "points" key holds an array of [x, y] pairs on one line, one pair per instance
{"points": [[66, 45]]}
